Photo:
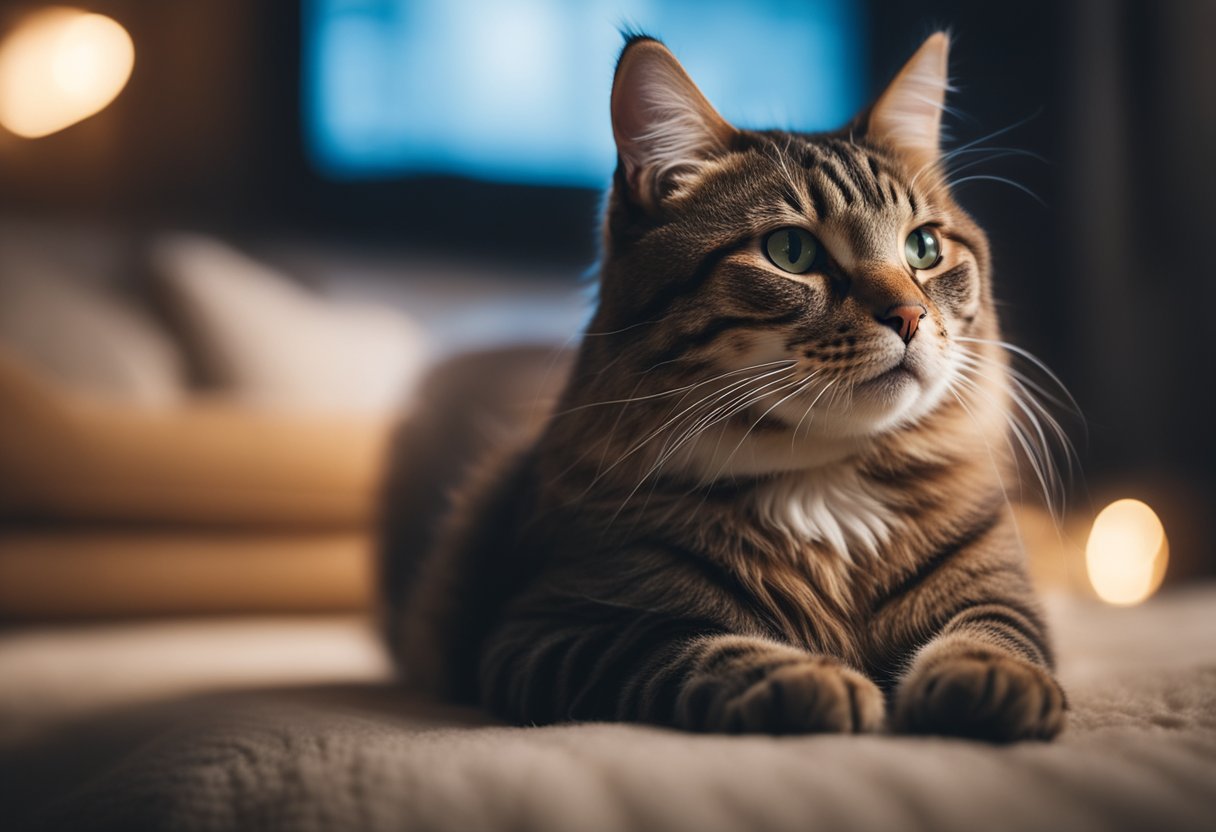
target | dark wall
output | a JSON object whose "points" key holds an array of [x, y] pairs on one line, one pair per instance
{"points": [[1140, 134]]}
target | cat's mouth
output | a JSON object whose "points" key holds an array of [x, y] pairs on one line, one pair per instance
{"points": [[902, 371]]}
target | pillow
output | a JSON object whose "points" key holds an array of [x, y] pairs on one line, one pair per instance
{"points": [[76, 332], [268, 341]]}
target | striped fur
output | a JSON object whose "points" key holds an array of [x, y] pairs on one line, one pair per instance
{"points": [[754, 507]]}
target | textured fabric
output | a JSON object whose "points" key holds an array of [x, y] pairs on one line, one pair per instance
{"points": [[56, 675], [1139, 753]]}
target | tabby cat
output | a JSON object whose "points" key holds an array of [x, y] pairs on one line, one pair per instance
{"points": [[769, 497]]}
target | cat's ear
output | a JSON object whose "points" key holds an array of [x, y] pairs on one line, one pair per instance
{"points": [[663, 125], [908, 115]]}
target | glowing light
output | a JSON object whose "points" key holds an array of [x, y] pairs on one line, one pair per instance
{"points": [[1126, 553], [60, 66]]}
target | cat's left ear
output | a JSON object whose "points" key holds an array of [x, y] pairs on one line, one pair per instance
{"points": [[664, 127], [908, 115]]}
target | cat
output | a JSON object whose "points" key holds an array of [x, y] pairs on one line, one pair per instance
{"points": [[768, 497]]}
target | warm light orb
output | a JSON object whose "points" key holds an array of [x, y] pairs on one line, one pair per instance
{"points": [[60, 66], [1126, 553]]}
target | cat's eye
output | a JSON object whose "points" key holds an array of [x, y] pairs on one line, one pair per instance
{"points": [[791, 249], [923, 248]]}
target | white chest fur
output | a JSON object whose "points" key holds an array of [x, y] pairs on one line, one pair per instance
{"points": [[835, 507]]}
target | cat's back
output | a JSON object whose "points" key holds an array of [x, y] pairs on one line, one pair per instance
{"points": [[458, 481]]}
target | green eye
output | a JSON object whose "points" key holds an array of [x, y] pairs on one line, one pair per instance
{"points": [[922, 248], [791, 249]]}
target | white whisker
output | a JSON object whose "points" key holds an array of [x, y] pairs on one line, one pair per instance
{"points": [[807, 412], [677, 418], [800, 387], [671, 392], [981, 177]]}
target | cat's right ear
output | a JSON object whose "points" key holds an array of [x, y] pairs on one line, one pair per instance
{"points": [[908, 115], [663, 125]]}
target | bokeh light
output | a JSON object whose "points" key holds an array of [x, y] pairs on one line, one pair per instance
{"points": [[59, 66], [1127, 552]]}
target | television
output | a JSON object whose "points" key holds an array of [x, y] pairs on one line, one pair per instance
{"points": [[516, 91]]}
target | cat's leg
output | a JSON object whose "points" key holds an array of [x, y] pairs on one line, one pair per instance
{"points": [[969, 681], [986, 670], [746, 684], [674, 672]]}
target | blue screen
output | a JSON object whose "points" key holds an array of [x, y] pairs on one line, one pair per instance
{"points": [[517, 90]]}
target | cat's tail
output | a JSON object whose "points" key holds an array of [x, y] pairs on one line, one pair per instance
{"points": [[465, 410]]}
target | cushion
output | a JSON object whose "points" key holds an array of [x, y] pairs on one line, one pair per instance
{"points": [[79, 331], [267, 340]]}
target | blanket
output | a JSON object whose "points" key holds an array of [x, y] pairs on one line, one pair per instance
{"points": [[1139, 752]]}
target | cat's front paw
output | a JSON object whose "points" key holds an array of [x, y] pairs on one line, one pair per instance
{"points": [[815, 696], [982, 694]]}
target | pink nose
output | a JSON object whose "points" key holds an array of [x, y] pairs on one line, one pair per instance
{"points": [[904, 319]]}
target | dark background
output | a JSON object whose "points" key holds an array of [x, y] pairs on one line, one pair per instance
{"points": [[1110, 282]]}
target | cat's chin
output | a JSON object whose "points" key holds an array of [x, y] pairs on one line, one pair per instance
{"points": [[876, 407], [892, 386], [885, 401], [899, 395]]}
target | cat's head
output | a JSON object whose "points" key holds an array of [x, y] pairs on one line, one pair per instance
{"points": [[834, 268]]}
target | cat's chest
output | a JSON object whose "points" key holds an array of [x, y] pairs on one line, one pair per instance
{"points": [[827, 537], [837, 514]]}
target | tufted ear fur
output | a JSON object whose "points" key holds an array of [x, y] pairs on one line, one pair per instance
{"points": [[662, 123], [908, 115]]}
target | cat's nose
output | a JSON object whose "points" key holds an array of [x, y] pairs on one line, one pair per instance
{"points": [[904, 318]]}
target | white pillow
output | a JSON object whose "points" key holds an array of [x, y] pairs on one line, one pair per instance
{"points": [[269, 341], [84, 337]]}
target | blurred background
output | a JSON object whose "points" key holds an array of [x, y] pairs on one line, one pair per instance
{"points": [[234, 234]]}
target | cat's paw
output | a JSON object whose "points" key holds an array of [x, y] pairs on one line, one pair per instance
{"points": [[982, 694], [814, 696]]}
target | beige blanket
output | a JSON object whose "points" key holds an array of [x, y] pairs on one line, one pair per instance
{"points": [[1139, 752]]}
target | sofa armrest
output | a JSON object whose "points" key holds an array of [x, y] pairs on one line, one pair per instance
{"points": [[67, 457]]}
